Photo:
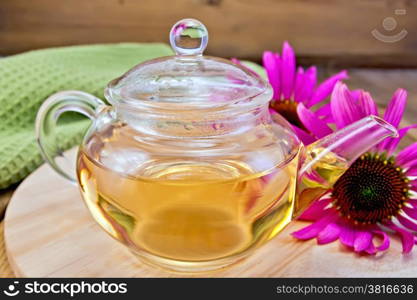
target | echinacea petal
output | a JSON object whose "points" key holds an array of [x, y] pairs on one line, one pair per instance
{"points": [[287, 70], [324, 110], [385, 243], [407, 238], [396, 107], [326, 88], [407, 223], [329, 234], [410, 212], [412, 172], [304, 136], [299, 83], [312, 122], [313, 230], [412, 202], [344, 109], [367, 104], [371, 249], [309, 82], [315, 210], [408, 153], [347, 235], [355, 94], [271, 63], [362, 240], [328, 119], [325, 113], [411, 165], [390, 144]]}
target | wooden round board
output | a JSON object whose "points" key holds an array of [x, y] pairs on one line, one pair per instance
{"points": [[49, 233]]}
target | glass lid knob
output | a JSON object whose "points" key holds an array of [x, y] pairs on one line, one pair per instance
{"points": [[188, 37]]}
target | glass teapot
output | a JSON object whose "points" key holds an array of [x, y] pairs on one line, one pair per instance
{"points": [[186, 167]]}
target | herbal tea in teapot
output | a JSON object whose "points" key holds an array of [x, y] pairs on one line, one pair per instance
{"points": [[183, 208]]}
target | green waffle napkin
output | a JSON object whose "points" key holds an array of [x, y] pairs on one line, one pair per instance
{"points": [[27, 79]]}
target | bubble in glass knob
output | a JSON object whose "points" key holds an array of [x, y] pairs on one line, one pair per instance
{"points": [[188, 37]]}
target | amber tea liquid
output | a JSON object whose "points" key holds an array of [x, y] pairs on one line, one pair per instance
{"points": [[186, 210]]}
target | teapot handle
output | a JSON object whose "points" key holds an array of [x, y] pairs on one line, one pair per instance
{"points": [[46, 121]]}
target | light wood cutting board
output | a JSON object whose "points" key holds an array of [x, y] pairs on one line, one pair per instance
{"points": [[49, 233]]}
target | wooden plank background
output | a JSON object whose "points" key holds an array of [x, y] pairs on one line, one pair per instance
{"points": [[336, 32]]}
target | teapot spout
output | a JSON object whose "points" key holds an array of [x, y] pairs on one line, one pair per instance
{"points": [[328, 158]]}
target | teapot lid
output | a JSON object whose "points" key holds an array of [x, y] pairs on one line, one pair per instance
{"points": [[188, 80]]}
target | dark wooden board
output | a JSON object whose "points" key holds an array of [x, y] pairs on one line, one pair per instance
{"points": [[336, 32]]}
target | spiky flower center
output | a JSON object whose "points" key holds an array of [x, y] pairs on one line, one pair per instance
{"points": [[288, 109], [372, 190]]}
